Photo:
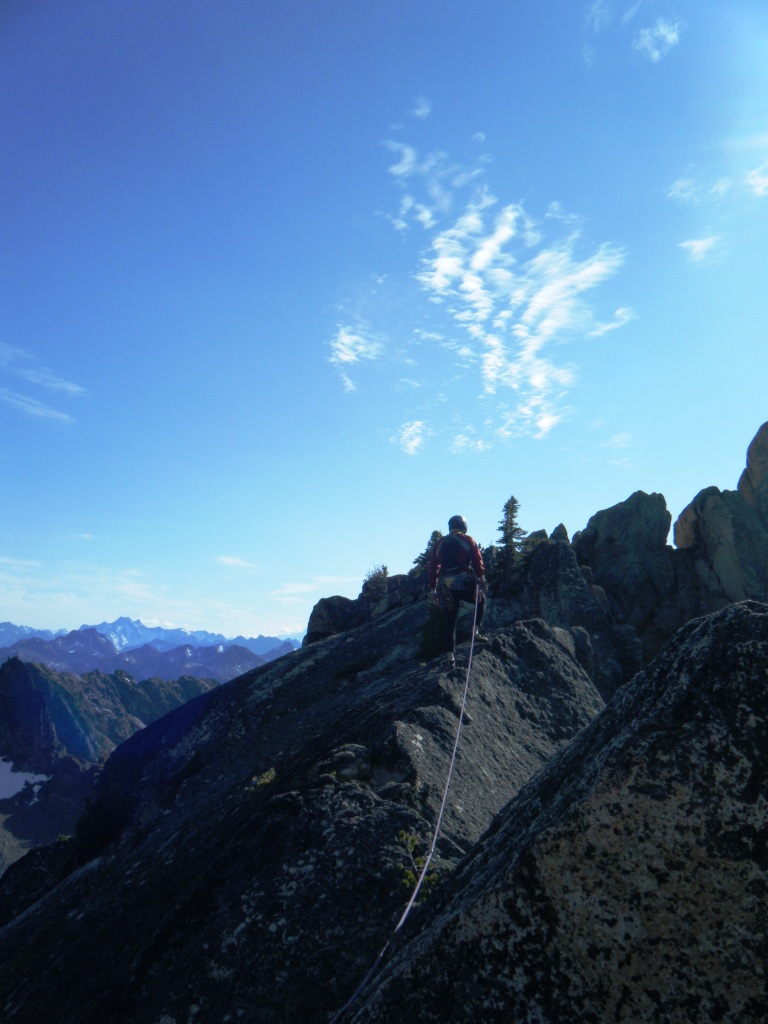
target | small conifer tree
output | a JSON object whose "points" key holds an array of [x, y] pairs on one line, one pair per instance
{"points": [[508, 556], [512, 536], [421, 561]]}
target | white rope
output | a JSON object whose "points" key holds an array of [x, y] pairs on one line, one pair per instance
{"points": [[427, 862], [337, 1016]]}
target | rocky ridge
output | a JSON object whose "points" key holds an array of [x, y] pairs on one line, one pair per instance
{"points": [[257, 845], [629, 879], [251, 840], [618, 578]]}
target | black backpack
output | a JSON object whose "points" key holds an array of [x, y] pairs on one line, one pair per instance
{"points": [[455, 556]]}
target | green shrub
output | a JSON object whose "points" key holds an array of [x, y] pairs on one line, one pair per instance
{"points": [[413, 868]]}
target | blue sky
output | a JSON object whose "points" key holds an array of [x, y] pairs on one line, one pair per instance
{"points": [[284, 285]]}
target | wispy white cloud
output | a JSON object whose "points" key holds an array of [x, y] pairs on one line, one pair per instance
{"points": [[656, 42], [757, 180], [68, 593], [750, 183], [19, 563], [32, 407], [22, 365], [408, 162], [422, 108], [232, 562], [293, 589], [687, 190], [433, 175], [10, 356], [501, 293], [633, 10], [411, 436], [621, 317], [618, 441], [26, 366], [43, 377], [598, 15], [295, 594], [466, 441], [352, 346], [530, 418], [698, 248], [514, 296]]}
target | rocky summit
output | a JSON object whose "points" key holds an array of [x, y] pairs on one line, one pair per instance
{"points": [[602, 854]]}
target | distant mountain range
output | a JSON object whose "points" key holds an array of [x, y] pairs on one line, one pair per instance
{"points": [[67, 699], [126, 633], [143, 651]]}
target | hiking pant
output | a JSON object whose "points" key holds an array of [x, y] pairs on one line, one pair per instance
{"points": [[449, 601]]}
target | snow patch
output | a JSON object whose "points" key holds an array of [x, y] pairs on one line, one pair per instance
{"points": [[12, 782]]}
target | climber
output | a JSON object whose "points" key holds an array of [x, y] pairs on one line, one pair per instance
{"points": [[456, 573]]}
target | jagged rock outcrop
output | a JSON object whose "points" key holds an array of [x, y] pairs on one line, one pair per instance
{"points": [[626, 548], [629, 879], [723, 535], [721, 553], [553, 587], [249, 842], [728, 542], [635, 590], [558, 591], [333, 615]]}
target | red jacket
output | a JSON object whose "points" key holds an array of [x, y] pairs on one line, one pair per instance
{"points": [[464, 555]]}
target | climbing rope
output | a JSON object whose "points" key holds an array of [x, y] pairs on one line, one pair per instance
{"points": [[377, 963]]}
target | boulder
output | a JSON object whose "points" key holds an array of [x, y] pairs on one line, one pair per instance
{"points": [[402, 589], [333, 615], [629, 879], [337, 614]]}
